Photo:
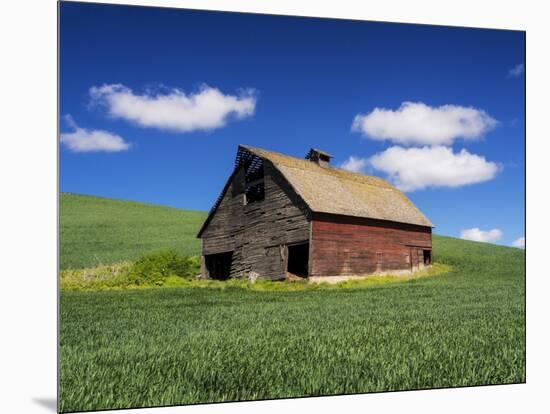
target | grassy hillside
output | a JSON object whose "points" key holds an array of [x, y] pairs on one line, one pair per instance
{"points": [[179, 346], [98, 230]]}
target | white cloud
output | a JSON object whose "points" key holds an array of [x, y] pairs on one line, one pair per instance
{"points": [[475, 234], [354, 164], [94, 140], [417, 123], [516, 71], [417, 168], [519, 243], [176, 111]]}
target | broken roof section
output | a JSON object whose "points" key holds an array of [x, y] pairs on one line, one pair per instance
{"points": [[327, 189]]}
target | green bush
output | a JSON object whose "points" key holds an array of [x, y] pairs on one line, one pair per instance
{"points": [[166, 267], [154, 268]]}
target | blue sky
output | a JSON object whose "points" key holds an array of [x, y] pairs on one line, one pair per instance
{"points": [[155, 101]]}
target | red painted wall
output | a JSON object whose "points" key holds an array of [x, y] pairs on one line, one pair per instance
{"points": [[343, 245]]}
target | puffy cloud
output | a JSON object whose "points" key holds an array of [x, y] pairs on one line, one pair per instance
{"points": [[475, 234], [516, 71], [176, 111], [416, 168], [519, 243], [354, 164], [91, 140], [417, 123]]}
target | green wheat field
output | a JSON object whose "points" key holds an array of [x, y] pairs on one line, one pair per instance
{"points": [[170, 346], [95, 230]]}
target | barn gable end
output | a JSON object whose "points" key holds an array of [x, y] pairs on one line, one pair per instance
{"points": [[255, 233]]}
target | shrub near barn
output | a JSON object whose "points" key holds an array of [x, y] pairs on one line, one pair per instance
{"points": [[154, 269]]}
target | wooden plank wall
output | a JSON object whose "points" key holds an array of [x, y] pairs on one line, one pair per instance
{"points": [[343, 245], [257, 232]]}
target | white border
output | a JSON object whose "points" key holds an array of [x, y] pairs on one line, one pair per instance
{"points": [[28, 231]]}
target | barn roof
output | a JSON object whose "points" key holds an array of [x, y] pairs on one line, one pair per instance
{"points": [[332, 190], [327, 189]]}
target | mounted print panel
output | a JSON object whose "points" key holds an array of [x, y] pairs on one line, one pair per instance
{"points": [[258, 207]]}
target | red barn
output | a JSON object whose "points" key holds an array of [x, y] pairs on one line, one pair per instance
{"points": [[279, 215]]}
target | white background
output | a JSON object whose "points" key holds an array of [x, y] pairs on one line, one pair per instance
{"points": [[28, 175]]}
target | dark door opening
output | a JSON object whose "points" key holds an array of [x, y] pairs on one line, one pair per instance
{"points": [[298, 259], [218, 265], [427, 257]]}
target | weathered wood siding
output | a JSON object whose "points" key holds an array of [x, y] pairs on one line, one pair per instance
{"points": [[343, 245], [258, 232]]}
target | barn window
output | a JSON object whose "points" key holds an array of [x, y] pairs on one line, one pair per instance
{"points": [[407, 259], [298, 259], [218, 265], [254, 188], [427, 257]]}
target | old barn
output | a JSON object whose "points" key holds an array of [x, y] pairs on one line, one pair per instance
{"points": [[279, 215]]}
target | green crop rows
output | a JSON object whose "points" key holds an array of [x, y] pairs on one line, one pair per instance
{"points": [[168, 346]]}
